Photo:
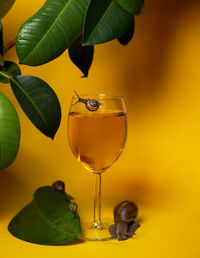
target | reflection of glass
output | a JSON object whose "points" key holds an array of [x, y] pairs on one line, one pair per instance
{"points": [[97, 139]]}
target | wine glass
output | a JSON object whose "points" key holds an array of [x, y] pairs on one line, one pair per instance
{"points": [[97, 131]]}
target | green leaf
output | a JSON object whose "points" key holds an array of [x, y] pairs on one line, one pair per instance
{"points": [[46, 220], [50, 31], [81, 56], [1, 39], [39, 102], [5, 6], [9, 132], [9, 69], [125, 38], [133, 6], [105, 21]]}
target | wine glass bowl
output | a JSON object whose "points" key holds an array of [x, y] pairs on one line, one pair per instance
{"points": [[97, 138]]}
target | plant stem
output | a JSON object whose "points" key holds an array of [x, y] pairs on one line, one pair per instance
{"points": [[11, 44], [5, 75]]}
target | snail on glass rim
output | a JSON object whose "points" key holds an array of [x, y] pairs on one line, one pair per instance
{"points": [[91, 104], [124, 217]]}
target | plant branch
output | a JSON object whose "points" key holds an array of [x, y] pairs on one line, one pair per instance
{"points": [[11, 44]]}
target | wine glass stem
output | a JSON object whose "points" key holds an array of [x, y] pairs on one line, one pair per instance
{"points": [[97, 202]]}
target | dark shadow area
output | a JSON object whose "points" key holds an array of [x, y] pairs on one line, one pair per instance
{"points": [[73, 242], [144, 188], [12, 193], [146, 57]]}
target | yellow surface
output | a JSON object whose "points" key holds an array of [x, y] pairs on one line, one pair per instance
{"points": [[158, 74]]}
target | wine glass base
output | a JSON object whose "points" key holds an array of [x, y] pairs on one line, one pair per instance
{"points": [[95, 232]]}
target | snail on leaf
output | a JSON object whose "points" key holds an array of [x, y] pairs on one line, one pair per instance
{"points": [[91, 104], [124, 217], [59, 187]]}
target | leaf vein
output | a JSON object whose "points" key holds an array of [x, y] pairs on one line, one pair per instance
{"points": [[45, 218], [32, 102], [50, 28]]}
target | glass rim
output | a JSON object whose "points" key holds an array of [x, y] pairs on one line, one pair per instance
{"points": [[99, 96]]}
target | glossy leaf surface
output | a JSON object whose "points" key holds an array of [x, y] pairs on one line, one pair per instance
{"points": [[5, 6], [9, 132], [133, 6], [39, 102], [105, 21], [50, 31], [125, 38], [10, 69], [46, 220], [81, 56]]}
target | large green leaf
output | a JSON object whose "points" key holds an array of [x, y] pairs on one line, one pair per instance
{"points": [[81, 56], [125, 38], [47, 220], [105, 21], [133, 6], [5, 6], [9, 69], [9, 132], [50, 31], [39, 102]]}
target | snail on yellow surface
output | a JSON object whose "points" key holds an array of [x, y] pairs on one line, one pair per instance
{"points": [[124, 217], [91, 104]]}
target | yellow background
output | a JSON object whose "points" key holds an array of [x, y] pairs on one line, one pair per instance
{"points": [[158, 75]]}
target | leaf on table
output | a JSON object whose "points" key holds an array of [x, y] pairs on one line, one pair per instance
{"points": [[5, 6], [132, 6], [125, 38], [47, 220], [105, 21], [50, 31], [9, 132], [81, 56], [39, 102], [9, 69]]}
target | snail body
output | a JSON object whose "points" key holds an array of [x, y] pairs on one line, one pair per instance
{"points": [[91, 104], [124, 217]]}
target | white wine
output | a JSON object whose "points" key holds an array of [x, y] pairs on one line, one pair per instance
{"points": [[97, 140]]}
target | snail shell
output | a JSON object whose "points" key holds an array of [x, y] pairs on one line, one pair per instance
{"points": [[73, 207], [58, 186], [125, 211], [92, 104]]}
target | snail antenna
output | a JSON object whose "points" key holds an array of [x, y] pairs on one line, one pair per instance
{"points": [[76, 94], [77, 97]]}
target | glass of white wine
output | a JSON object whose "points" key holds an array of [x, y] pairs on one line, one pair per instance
{"points": [[97, 135]]}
